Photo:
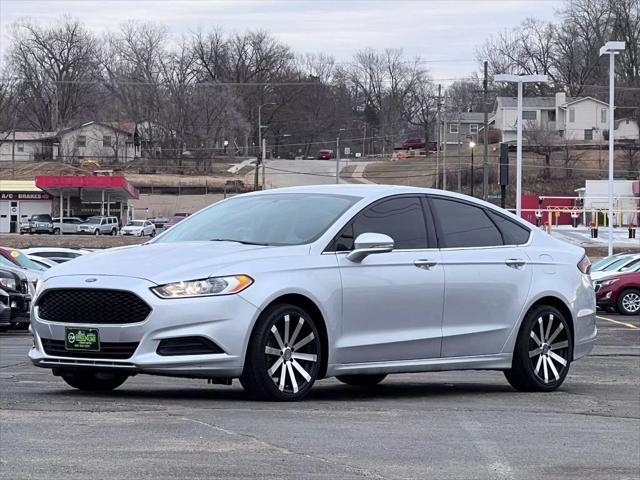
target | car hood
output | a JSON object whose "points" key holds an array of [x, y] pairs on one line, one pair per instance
{"points": [[171, 262]]}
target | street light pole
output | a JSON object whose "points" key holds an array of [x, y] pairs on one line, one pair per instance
{"points": [[338, 156], [473, 177], [260, 154], [612, 49], [519, 79]]}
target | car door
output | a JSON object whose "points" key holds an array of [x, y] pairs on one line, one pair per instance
{"points": [[391, 302], [487, 276]]}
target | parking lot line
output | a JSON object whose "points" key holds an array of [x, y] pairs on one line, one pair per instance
{"points": [[628, 325]]}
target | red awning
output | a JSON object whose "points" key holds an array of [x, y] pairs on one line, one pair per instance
{"points": [[88, 188]]}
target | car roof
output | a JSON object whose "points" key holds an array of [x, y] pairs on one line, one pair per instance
{"points": [[370, 191]]}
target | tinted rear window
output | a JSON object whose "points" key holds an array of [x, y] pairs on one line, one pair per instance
{"points": [[512, 232], [464, 225]]}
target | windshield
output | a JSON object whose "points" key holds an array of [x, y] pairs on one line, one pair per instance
{"points": [[135, 223], [24, 261], [41, 218], [92, 220], [615, 265], [272, 219]]}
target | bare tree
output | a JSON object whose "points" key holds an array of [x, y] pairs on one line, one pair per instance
{"points": [[56, 66]]}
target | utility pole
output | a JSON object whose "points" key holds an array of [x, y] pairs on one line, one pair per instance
{"points": [[485, 160], [264, 161], [459, 158], [338, 156], [444, 144], [13, 151], [364, 137], [438, 137]]}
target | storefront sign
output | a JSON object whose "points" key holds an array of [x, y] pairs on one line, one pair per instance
{"points": [[24, 196]]}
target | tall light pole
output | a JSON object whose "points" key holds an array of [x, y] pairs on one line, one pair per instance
{"points": [[519, 79], [338, 155], [261, 153], [612, 49], [472, 145]]}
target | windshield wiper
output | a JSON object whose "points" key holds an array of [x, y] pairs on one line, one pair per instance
{"points": [[244, 242]]}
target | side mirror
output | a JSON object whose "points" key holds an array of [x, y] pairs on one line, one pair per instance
{"points": [[369, 244]]}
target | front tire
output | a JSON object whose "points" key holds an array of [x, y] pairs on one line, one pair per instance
{"points": [[56, 231], [543, 351], [362, 380], [629, 302], [97, 231], [284, 355], [94, 381]]}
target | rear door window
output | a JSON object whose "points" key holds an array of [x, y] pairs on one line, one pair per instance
{"points": [[512, 232], [462, 225]]}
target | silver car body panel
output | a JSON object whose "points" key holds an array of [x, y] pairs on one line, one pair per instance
{"points": [[381, 315]]}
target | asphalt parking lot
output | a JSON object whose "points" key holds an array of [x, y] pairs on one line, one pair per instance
{"points": [[450, 425]]}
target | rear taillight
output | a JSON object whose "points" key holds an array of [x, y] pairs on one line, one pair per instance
{"points": [[584, 265]]}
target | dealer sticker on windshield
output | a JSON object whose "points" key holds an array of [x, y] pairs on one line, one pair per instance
{"points": [[83, 339]]}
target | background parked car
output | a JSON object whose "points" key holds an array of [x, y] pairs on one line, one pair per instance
{"points": [[43, 262], [99, 226], [325, 154], [41, 223], [178, 217], [413, 143], [14, 257], [56, 254], [620, 292], [624, 264], [139, 228], [159, 222], [15, 299], [69, 225]]}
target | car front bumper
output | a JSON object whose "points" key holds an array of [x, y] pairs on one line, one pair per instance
{"points": [[225, 320]]}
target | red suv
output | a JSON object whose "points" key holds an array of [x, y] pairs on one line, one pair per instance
{"points": [[325, 154], [413, 143], [621, 292]]}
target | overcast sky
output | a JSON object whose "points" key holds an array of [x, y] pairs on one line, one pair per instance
{"points": [[445, 32]]}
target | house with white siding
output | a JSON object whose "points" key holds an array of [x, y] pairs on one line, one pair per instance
{"points": [[573, 118]]}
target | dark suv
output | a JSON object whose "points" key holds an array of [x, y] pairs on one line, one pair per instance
{"points": [[15, 299], [41, 223]]}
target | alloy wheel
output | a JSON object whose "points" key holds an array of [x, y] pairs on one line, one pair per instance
{"points": [[631, 302], [291, 353], [549, 348]]}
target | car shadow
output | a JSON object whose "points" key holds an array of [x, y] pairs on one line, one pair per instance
{"points": [[329, 391]]}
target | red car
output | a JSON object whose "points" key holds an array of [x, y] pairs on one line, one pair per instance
{"points": [[325, 154], [413, 143], [621, 292]]}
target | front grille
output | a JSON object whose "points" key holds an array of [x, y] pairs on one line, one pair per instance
{"points": [[85, 305], [114, 350], [187, 346]]}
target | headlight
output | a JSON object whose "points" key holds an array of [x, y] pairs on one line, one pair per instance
{"points": [[606, 283], [9, 283], [204, 287]]}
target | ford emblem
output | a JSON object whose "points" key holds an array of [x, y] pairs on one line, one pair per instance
{"points": [[91, 280]]}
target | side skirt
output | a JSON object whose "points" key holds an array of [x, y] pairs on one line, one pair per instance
{"points": [[500, 361]]}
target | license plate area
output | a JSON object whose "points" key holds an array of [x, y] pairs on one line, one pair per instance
{"points": [[82, 339]]}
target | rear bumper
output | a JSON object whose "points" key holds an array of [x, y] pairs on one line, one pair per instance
{"points": [[225, 320]]}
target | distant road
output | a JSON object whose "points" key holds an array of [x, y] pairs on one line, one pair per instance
{"points": [[289, 173]]}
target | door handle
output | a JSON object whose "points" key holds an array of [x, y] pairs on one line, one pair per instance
{"points": [[515, 263], [425, 264]]}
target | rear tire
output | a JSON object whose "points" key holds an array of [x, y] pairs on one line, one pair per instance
{"points": [[94, 381], [284, 355], [543, 351], [629, 302], [362, 380], [114, 232]]}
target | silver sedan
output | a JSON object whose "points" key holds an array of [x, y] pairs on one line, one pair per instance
{"points": [[285, 287]]}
